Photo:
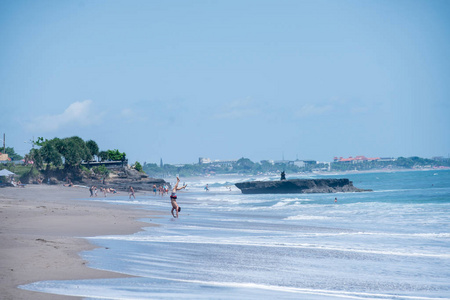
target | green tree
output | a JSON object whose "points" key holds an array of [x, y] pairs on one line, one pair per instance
{"points": [[116, 155], [93, 147], [152, 169], [75, 151], [404, 162], [244, 165], [103, 155], [101, 170], [40, 141], [36, 157], [138, 167], [70, 151], [50, 155]]}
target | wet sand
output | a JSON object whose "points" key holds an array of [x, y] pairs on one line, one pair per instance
{"points": [[41, 234]]}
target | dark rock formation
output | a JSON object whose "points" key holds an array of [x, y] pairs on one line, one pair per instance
{"points": [[125, 178], [298, 186], [122, 184]]}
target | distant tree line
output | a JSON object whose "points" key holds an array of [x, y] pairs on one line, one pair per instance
{"points": [[246, 166], [241, 166], [399, 163]]}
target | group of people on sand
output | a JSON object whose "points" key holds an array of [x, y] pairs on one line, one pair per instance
{"points": [[17, 183], [160, 190], [93, 190]]}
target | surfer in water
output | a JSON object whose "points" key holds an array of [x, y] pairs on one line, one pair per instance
{"points": [[173, 198]]}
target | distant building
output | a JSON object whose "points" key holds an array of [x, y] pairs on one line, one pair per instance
{"points": [[355, 160], [217, 162], [271, 162], [387, 159], [224, 163], [281, 162], [299, 163], [4, 157], [203, 160]]}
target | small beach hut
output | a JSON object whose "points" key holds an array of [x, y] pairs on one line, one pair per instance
{"points": [[7, 173]]}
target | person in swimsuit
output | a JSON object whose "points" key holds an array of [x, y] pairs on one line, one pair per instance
{"points": [[173, 198], [131, 191]]}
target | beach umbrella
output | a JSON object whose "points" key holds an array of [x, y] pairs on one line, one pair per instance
{"points": [[5, 172]]}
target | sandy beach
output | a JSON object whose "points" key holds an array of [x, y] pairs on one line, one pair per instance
{"points": [[42, 229]]}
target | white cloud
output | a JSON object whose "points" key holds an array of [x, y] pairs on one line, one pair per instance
{"points": [[77, 114], [308, 110]]}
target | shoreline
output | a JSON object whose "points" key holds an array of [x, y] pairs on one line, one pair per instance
{"points": [[43, 229]]}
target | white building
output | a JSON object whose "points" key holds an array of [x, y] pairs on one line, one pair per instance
{"points": [[204, 160]]}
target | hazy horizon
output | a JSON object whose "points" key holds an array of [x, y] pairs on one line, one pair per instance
{"points": [[179, 80]]}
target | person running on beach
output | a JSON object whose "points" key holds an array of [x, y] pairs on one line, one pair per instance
{"points": [[173, 198], [131, 191]]}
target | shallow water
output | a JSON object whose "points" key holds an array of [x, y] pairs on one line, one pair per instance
{"points": [[390, 243]]}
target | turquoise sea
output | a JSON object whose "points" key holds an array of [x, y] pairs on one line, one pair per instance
{"points": [[392, 243]]}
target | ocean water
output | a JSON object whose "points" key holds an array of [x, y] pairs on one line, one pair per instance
{"points": [[392, 243]]}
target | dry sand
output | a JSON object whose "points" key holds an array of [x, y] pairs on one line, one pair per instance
{"points": [[41, 230]]}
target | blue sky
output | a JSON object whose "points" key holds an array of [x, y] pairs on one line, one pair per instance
{"points": [[179, 80]]}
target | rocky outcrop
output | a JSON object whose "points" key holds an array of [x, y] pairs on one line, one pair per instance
{"points": [[125, 178], [298, 186]]}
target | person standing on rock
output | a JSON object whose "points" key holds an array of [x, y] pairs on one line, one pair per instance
{"points": [[173, 198]]}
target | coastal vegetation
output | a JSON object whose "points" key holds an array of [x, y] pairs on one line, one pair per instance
{"points": [[62, 158], [246, 166], [399, 163]]}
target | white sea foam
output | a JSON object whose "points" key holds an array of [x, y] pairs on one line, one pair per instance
{"points": [[244, 241], [320, 292], [303, 217]]}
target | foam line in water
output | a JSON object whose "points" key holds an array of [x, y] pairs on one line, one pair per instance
{"points": [[302, 217], [244, 242], [319, 292], [113, 290]]}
